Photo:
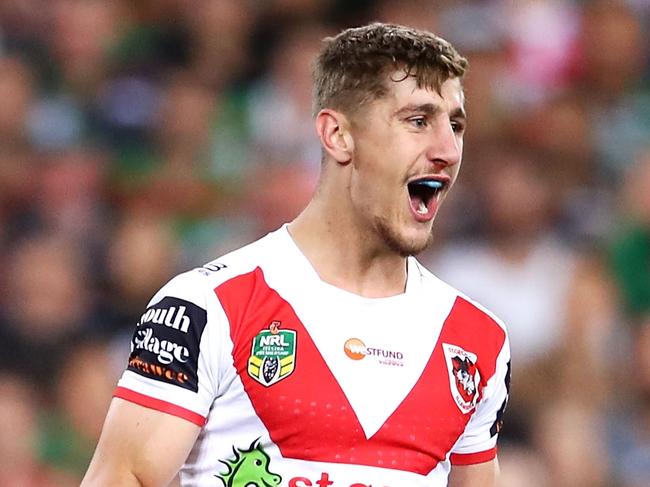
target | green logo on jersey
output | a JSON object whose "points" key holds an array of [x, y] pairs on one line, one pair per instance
{"points": [[273, 355], [249, 468]]}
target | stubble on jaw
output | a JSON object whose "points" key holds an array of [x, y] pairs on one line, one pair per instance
{"points": [[398, 244]]}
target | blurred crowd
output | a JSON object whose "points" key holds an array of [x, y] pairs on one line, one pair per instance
{"points": [[142, 138]]}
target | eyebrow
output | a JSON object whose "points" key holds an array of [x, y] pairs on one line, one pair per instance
{"points": [[429, 109]]}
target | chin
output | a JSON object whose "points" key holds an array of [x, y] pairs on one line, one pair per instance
{"points": [[404, 242]]}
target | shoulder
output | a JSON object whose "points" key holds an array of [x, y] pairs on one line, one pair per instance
{"points": [[473, 315], [199, 284], [184, 320]]}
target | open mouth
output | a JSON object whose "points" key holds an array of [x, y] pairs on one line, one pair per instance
{"points": [[423, 195]]}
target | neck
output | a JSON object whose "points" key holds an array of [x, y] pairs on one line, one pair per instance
{"points": [[345, 254]]}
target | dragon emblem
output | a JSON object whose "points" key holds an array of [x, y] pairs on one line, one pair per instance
{"points": [[464, 371], [249, 468]]}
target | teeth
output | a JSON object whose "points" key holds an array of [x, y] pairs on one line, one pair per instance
{"points": [[422, 209]]}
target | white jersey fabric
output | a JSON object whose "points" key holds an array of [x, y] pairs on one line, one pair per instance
{"points": [[298, 383]]}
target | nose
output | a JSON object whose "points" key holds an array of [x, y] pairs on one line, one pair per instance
{"points": [[446, 145]]}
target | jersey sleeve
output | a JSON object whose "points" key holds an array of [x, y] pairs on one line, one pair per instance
{"points": [[171, 367], [478, 442]]}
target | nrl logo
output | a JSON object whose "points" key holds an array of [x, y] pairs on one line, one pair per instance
{"points": [[464, 376], [273, 355]]}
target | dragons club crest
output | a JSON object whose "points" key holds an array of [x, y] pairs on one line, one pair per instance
{"points": [[464, 377]]}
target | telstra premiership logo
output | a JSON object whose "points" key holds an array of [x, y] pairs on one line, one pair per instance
{"points": [[273, 354], [356, 349]]}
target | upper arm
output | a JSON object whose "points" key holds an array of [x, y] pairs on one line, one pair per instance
{"points": [[164, 397], [478, 443], [477, 475], [139, 447]]}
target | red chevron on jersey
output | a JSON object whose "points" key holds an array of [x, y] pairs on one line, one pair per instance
{"points": [[329, 385], [307, 414]]}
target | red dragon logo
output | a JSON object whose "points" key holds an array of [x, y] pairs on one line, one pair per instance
{"points": [[464, 376], [464, 373]]}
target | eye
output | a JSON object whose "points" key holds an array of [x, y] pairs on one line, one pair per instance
{"points": [[457, 127], [258, 462], [418, 122]]}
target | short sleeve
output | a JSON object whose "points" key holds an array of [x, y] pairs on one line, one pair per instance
{"points": [[478, 442], [171, 365]]}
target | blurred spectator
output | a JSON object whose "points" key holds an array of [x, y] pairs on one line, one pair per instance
{"points": [[139, 139], [485, 85], [554, 300], [81, 35], [614, 46], [17, 187], [542, 43], [416, 13], [528, 270], [184, 123], [47, 302], [15, 98], [19, 461], [280, 105], [220, 33], [84, 384], [71, 197], [559, 130], [22, 22], [630, 421], [571, 439], [143, 253], [521, 466], [630, 253], [277, 194], [298, 10]]}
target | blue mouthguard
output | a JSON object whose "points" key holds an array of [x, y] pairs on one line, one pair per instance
{"points": [[431, 184]]}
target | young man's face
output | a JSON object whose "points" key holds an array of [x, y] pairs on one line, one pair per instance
{"points": [[406, 144]]}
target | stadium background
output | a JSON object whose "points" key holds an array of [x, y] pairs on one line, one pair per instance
{"points": [[142, 138]]}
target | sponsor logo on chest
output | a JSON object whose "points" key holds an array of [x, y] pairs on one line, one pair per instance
{"points": [[356, 349], [273, 355]]}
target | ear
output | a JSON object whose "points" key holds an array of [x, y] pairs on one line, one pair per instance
{"points": [[333, 130]]}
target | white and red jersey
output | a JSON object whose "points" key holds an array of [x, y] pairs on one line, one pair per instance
{"points": [[298, 383]]}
